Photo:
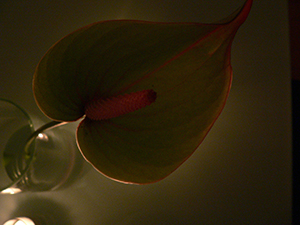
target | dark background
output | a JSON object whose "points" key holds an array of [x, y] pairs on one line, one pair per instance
{"points": [[294, 18]]}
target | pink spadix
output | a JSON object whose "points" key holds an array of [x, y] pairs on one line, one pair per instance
{"points": [[107, 108]]}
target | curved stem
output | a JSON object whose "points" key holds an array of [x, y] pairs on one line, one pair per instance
{"points": [[31, 138], [43, 128]]}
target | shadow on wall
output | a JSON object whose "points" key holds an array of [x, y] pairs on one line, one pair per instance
{"points": [[43, 212]]}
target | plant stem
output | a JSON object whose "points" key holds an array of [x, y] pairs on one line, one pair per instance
{"points": [[43, 128], [31, 138]]}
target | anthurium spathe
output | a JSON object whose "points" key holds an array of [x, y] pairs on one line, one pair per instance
{"points": [[148, 92]]}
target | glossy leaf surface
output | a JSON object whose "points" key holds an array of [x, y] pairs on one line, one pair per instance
{"points": [[186, 64]]}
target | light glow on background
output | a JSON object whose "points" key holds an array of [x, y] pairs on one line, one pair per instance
{"points": [[19, 221], [11, 191]]}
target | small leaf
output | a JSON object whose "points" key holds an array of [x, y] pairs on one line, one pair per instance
{"points": [[187, 65]]}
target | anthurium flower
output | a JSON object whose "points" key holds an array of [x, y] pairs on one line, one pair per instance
{"points": [[148, 92]]}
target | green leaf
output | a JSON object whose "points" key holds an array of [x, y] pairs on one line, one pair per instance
{"points": [[187, 65]]}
